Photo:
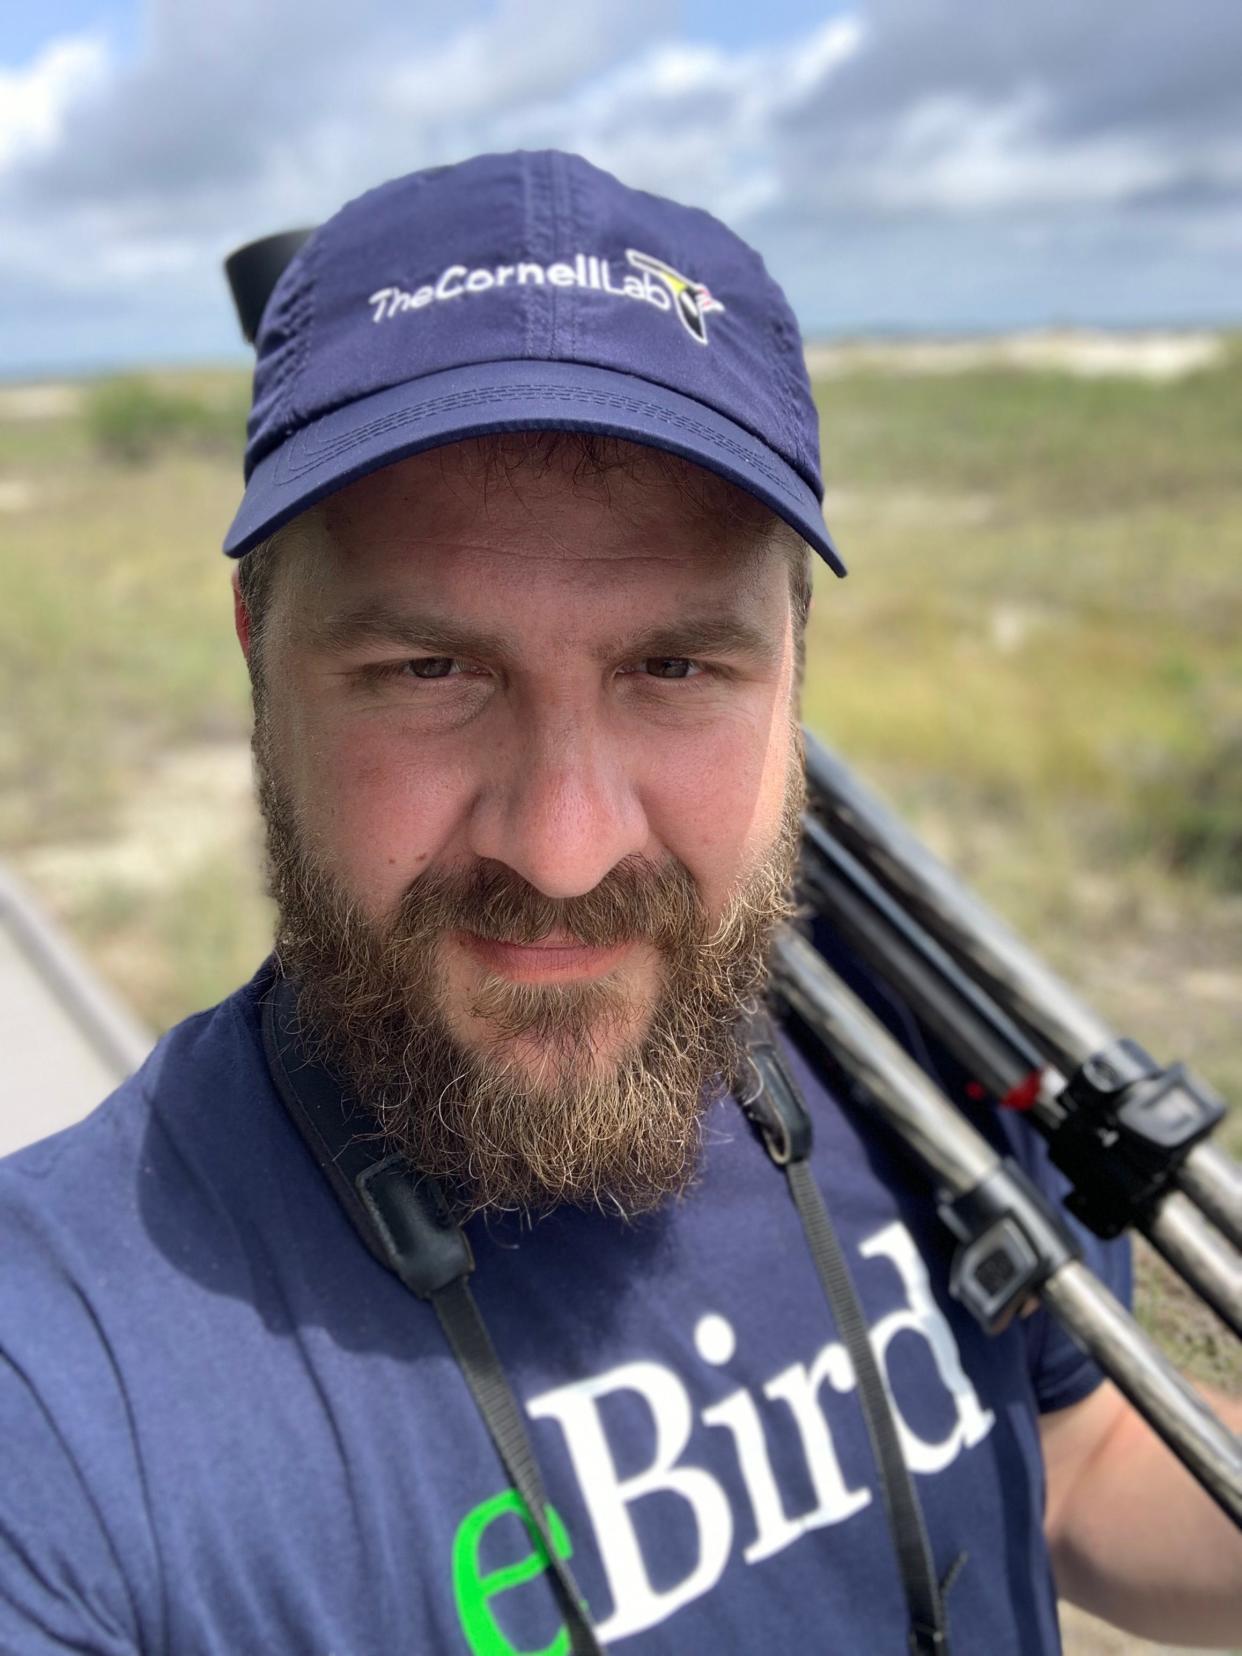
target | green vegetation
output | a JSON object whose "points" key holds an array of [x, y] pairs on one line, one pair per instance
{"points": [[1038, 656], [1045, 598], [135, 419], [114, 637], [1194, 807]]}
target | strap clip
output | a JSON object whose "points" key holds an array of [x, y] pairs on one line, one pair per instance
{"points": [[772, 1103], [1127, 1129], [425, 1247]]}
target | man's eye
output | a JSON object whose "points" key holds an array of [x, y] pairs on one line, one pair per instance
{"points": [[669, 667], [431, 667]]}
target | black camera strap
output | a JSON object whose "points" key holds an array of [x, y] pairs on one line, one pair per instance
{"points": [[402, 1219], [404, 1222], [773, 1103]]}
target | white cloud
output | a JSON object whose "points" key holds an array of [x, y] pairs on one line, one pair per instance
{"points": [[34, 100], [954, 154], [1034, 146], [513, 56], [692, 121]]}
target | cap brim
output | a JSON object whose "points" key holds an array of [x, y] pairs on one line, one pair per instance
{"points": [[352, 441]]}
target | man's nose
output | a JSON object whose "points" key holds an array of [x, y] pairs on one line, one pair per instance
{"points": [[558, 807]]}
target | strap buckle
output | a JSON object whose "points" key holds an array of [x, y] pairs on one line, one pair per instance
{"points": [[426, 1248], [1128, 1127], [772, 1102]]}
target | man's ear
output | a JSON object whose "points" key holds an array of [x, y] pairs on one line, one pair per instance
{"points": [[241, 615]]}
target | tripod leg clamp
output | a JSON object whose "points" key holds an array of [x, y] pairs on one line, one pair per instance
{"points": [[1011, 1240], [1127, 1128]]}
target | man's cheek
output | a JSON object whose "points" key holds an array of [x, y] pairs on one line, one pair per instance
{"points": [[379, 827], [720, 820]]}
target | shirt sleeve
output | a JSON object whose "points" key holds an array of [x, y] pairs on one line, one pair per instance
{"points": [[61, 1587]]}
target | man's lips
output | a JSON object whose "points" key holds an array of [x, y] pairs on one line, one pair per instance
{"points": [[555, 956]]}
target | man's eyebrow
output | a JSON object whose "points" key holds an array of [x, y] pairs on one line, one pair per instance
{"points": [[375, 625], [379, 624], [702, 635]]}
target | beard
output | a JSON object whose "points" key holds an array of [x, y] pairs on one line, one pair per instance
{"points": [[530, 1113]]}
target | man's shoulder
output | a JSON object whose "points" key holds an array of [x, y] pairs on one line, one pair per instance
{"points": [[125, 1293], [197, 1098]]}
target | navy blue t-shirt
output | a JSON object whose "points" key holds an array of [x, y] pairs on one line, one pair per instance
{"points": [[227, 1430]]}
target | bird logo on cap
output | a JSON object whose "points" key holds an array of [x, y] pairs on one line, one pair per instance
{"points": [[691, 300]]}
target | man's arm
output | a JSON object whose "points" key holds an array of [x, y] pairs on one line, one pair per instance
{"points": [[1134, 1538]]}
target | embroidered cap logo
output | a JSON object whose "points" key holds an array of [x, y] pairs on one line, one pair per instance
{"points": [[692, 300]]}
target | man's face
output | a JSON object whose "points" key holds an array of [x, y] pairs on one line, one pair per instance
{"points": [[529, 762]]}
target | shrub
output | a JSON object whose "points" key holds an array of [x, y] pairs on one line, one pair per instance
{"points": [[1194, 809], [131, 420]]}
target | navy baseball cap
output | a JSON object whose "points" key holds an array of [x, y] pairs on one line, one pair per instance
{"points": [[525, 292]]}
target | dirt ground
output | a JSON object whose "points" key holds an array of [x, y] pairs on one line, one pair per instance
{"points": [[1084, 1636]]}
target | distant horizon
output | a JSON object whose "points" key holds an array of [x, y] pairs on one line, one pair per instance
{"points": [[241, 359]]}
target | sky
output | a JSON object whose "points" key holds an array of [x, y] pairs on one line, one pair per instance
{"points": [[926, 166]]}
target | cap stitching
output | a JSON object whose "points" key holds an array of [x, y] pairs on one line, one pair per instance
{"points": [[284, 319], [540, 341], [567, 302], [289, 468], [289, 319], [529, 243], [306, 323], [554, 293], [788, 407]]}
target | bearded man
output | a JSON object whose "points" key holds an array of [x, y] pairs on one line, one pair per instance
{"points": [[532, 490]]}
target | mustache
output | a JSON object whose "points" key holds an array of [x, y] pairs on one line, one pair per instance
{"points": [[636, 900]]}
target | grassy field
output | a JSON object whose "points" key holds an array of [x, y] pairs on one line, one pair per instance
{"points": [[1038, 656]]}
